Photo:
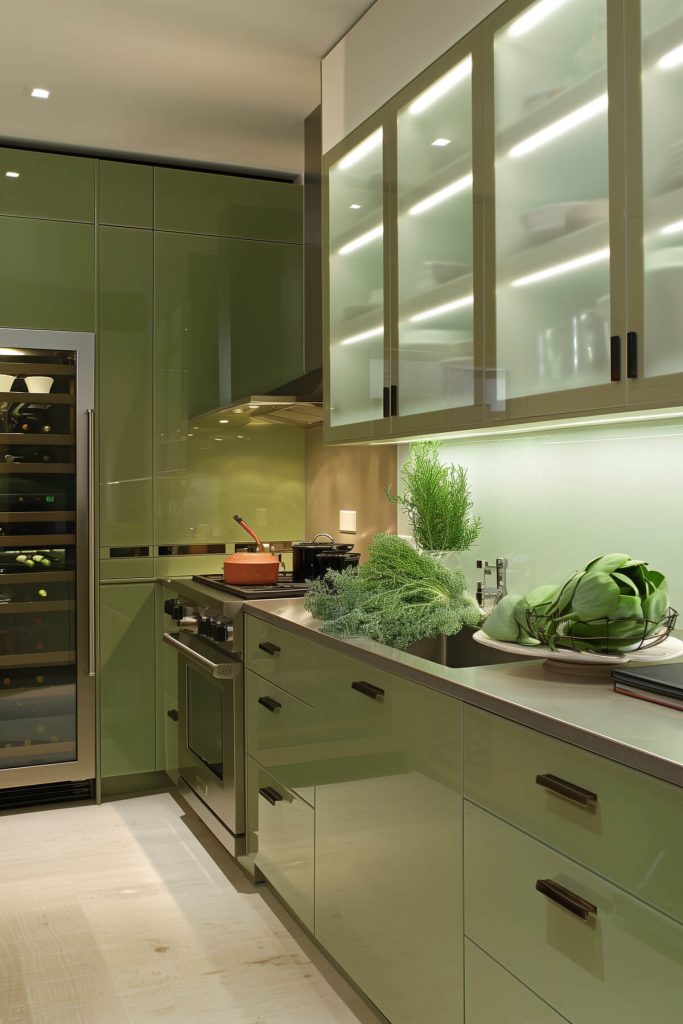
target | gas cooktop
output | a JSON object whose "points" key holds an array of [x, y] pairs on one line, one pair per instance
{"points": [[285, 587]]}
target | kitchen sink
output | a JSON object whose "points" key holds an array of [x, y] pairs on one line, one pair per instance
{"points": [[460, 651]]}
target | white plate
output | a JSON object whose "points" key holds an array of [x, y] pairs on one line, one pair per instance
{"points": [[666, 650]]}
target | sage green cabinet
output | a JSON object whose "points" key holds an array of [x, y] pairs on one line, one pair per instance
{"points": [[127, 686], [388, 806], [494, 996], [125, 376], [47, 274], [126, 194], [47, 185], [166, 679], [223, 204]]}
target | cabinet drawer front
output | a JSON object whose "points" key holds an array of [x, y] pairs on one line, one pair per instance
{"points": [[280, 838], [281, 731], [631, 833], [622, 963], [298, 665], [492, 994]]}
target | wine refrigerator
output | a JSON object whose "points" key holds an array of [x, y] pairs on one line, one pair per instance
{"points": [[47, 566]]}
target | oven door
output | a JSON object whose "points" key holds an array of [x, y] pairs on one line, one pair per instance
{"points": [[211, 720]]}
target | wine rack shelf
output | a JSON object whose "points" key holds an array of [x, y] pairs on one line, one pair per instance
{"points": [[54, 576], [36, 607], [37, 439], [29, 468], [38, 540], [36, 398], [36, 659], [40, 369]]}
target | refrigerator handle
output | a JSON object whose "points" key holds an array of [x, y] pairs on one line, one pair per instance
{"points": [[90, 414]]}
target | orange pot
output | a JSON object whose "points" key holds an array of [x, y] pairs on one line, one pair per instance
{"points": [[251, 567]]}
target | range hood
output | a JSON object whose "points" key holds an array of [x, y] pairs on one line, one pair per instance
{"points": [[298, 403]]}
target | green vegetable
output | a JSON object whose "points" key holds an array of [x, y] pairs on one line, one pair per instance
{"points": [[436, 498], [396, 597]]}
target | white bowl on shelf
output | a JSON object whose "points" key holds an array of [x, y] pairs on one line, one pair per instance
{"points": [[6, 381], [39, 385], [544, 223]]}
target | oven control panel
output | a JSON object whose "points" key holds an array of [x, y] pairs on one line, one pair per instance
{"points": [[200, 621]]}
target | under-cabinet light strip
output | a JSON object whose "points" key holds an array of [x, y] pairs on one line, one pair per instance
{"points": [[361, 240], [534, 16], [363, 336], [562, 268], [561, 127], [361, 150], [672, 59], [444, 193], [442, 85], [447, 307], [672, 229]]}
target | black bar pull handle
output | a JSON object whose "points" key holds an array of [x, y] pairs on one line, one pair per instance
{"points": [[368, 689], [578, 795], [576, 905], [386, 403], [393, 391], [615, 357], [270, 703], [632, 355], [269, 648], [173, 715], [271, 795]]}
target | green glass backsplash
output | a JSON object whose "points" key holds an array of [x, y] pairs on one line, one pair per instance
{"points": [[551, 501]]}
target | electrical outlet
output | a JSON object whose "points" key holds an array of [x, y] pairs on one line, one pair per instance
{"points": [[347, 521]]}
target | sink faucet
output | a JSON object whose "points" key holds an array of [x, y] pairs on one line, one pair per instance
{"points": [[487, 596]]}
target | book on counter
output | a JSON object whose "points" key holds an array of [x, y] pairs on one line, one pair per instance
{"points": [[659, 684]]}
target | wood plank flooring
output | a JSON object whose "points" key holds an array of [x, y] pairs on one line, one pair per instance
{"points": [[118, 914]]}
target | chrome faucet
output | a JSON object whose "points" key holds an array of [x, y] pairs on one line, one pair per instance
{"points": [[488, 597]]}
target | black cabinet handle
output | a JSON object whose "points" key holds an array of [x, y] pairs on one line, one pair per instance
{"points": [[393, 391], [270, 794], [632, 355], [173, 715], [576, 794], [615, 357], [269, 703], [368, 689], [566, 898], [269, 648], [386, 403]]}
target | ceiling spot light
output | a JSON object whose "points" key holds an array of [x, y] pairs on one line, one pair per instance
{"points": [[355, 206], [441, 142], [11, 174], [223, 422], [40, 94]]}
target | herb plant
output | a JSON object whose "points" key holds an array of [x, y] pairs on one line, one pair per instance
{"points": [[436, 498], [396, 597]]}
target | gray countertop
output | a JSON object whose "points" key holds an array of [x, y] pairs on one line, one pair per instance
{"points": [[583, 711]]}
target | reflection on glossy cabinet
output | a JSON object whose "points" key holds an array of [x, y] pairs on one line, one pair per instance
{"points": [[388, 899], [127, 692], [46, 185], [47, 274], [494, 996], [125, 410], [126, 194]]}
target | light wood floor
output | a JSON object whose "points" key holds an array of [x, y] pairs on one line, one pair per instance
{"points": [[118, 914]]}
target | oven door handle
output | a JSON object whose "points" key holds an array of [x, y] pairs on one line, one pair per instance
{"points": [[219, 670]]}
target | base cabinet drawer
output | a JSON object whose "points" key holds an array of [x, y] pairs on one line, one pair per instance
{"points": [[280, 838], [292, 662], [281, 735], [493, 996], [621, 823], [622, 961]]}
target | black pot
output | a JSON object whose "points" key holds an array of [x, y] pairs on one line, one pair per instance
{"points": [[305, 565], [338, 560]]}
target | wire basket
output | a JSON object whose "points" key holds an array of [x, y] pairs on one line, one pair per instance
{"points": [[600, 636]]}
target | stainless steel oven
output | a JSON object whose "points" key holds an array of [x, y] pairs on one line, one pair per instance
{"points": [[211, 741]]}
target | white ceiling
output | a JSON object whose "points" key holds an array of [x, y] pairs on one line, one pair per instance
{"points": [[225, 82]]}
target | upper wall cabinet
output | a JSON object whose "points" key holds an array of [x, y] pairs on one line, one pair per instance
{"points": [[47, 185], [403, 288], [126, 194], [219, 204]]}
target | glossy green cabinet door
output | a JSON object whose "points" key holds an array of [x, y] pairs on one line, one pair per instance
{"points": [[47, 185], [166, 676], [47, 274], [388, 897], [225, 204], [126, 194], [493, 996], [125, 376], [127, 690]]}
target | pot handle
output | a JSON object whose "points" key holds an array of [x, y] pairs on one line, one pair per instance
{"points": [[328, 535]]}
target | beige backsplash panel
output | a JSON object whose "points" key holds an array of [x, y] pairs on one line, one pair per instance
{"points": [[348, 477]]}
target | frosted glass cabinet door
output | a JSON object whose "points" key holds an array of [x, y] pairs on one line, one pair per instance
{"points": [[559, 295], [660, 329], [356, 295], [435, 242]]}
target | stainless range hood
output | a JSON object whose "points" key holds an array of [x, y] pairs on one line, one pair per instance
{"points": [[298, 403]]}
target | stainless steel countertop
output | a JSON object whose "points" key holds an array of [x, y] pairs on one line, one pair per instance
{"points": [[586, 712]]}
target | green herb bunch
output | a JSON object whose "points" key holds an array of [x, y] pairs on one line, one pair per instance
{"points": [[396, 597], [436, 498]]}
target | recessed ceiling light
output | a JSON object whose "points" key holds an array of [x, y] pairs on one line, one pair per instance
{"points": [[223, 421], [238, 410], [355, 206], [441, 142], [40, 94], [11, 174], [218, 438]]}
